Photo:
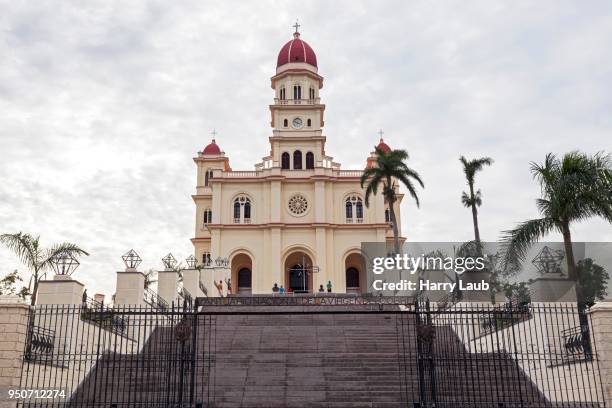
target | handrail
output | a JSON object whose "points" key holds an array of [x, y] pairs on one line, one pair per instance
{"points": [[154, 300]]}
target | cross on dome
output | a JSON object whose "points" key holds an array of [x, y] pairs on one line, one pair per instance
{"points": [[296, 26]]}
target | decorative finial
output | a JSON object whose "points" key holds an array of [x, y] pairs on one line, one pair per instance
{"points": [[131, 259], [380, 133], [214, 135], [296, 26], [64, 264], [169, 261]]}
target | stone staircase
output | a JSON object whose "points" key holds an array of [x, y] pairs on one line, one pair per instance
{"points": [[283, 357]]}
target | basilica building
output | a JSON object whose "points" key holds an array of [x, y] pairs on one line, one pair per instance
{"points": [[297, 220]]}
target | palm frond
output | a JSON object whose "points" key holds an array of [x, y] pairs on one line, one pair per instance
{"points": [[516, 242], [465, 199], [59, 249], [22, 246]]}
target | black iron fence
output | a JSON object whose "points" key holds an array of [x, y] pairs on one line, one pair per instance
{"points": [[413, 354]]}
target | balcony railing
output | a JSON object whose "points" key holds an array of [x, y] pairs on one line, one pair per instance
{"points": [[279, 101], [350, 173]]}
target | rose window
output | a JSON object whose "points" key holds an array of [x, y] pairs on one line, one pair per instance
{"points": [[298, 204]]}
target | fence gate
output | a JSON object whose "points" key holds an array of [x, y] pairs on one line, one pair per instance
{"points": [[479, 355], [136, 357], [445, 356]]}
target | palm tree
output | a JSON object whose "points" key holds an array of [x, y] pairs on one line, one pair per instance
{"points": [[574, 188], [389, 166], [150, 278], [473, 199], [34, 257]]}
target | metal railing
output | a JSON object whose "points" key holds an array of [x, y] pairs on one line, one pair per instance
{"points": [[95, 312], [154, 300], [577, 344], [184, 296], [40, 345]]}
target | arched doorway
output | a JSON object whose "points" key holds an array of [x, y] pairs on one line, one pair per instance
{"points": [[242, 275], [298, 272], [354, 273]]}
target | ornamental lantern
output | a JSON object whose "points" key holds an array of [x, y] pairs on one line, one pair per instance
{"points": [[169, 261], [191, 262], [64, 264], [548, 260], [131, 259]]}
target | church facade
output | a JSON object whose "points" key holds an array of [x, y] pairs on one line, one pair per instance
{"points": [[297, 220]]}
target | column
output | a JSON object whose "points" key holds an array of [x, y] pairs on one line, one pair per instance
{"points": [[320, 203], [191, 282], [601, 324], [277, 269], [62, 290], [14, 316], [130, 287], [167, 282], [321, 262], [275, 201]]}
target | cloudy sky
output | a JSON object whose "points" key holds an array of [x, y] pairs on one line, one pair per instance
{"points": [[104, 104]]}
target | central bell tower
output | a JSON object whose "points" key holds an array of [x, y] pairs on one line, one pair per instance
{"points": [[297, 112]]}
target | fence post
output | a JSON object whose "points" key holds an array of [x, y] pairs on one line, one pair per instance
{"points": [[14, 316], [601, 320]]}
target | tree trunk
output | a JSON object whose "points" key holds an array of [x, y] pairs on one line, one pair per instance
{"points": [[34, 290], [396, 242], [474, 214], [572, 271]]}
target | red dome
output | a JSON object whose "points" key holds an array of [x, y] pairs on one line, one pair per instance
{"points": [[296, 50], [212, 148], [383, 146]]}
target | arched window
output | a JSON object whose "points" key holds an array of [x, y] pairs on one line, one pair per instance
{"points": [[387, 215], [206, 259], [352, 278], [207, 216], [309, 123], [285, 159], [207, 177], [247, 210], [354, 201], [349, 211], [242, 210], [297, 92], [309, 160], [297, 160], [285, 123], [282, 93], [311, 93], [236, 211], [359, 209]]}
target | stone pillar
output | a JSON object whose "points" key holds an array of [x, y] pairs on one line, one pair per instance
{"points": [[321, 261], [130, 287], [167, 283], [276, 267], [601, 321], [14, 316], [191, 282], [62, 290]]}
